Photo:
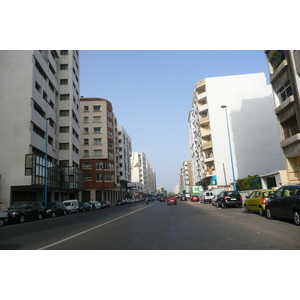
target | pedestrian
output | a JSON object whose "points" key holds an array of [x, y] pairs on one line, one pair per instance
{"points": [[93, 204]]}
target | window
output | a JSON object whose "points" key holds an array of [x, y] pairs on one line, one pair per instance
{"points": [[63, 146], [64, 52], [64, 113], [86, 153], [104, 165], [97, 107], [87, 165], [98, 152], [37, 86], [98, 141], [45, 96], [85, 108], [85, 141], [97, 119], [39, 109], [87, 177], [85, 119], [97, 129], [105, 177], [64, 129], [290, 127], [85, 130], [64, 66], [284, 92], [64, 81], [64, 97], [38, 131]]}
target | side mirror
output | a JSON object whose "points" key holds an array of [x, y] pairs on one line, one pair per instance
{"points": [[247, 197]]}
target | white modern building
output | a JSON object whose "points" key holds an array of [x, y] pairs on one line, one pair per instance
{"points": [[142, 172], [125, 151], [253, 129], [39, 92]]}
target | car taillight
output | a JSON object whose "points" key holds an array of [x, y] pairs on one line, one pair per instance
{"points": [[263, 200], [225, 198], [241, 198]]}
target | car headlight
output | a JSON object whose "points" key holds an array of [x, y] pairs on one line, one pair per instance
{"points": [[48, 211], [14, 213]]}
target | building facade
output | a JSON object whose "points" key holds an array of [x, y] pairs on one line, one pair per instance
{"points": [[142, 172], [40, 126], [284, 67], [125, 151], [186, 177], [99, 150], [253, 130]]}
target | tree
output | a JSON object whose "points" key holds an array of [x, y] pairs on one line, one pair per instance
{"points": [[248, 183]]}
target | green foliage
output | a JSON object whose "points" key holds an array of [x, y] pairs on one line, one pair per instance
{"points": [[248, 183]]}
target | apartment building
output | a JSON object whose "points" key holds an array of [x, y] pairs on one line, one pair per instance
{"points": [[99, 150], [39, 132], [284, 67], [186, 177], [253, 130], [125, 151], [142, 172]]}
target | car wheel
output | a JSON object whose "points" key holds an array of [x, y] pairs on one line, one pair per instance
{"points": [[261, 211], [1, 222], [223, 205], [269, 214], [39, 216], [65, 212], [22, 219], [246, 209], [53, 215], [296, 217], [217, 204], [70, 212]]}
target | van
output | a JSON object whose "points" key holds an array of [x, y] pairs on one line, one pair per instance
{"points": [[71, 206], [206, 197]]}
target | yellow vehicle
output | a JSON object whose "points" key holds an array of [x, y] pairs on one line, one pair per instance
{"points": [[256, 201]]}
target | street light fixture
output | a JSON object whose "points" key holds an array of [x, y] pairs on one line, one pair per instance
{"points": [[229, 140]]}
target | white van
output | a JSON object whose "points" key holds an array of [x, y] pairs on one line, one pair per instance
{"points": [[71, 206], [206, 197]]}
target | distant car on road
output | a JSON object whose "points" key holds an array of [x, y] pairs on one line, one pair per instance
{"points": [[256, 201], [120, 202], [285, 203], [84, 206], [105, 204], [72, 205], [195, 198], [206, 197], [172, 200], [54, 209], [229, 199]]}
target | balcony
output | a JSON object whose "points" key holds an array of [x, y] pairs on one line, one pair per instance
{"points": [[206, 145], [204, 120]]}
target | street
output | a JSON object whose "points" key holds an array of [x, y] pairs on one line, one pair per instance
{"points": [[156, 226]]}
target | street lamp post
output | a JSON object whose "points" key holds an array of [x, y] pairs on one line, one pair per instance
{"points": [[229, 140], [46, 165]]}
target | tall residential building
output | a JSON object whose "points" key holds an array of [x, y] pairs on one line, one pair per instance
{"points": [[125, 151], [253, 130], [142, 172], [99, 150], [186, 177], [39, 132], [284, 67]]}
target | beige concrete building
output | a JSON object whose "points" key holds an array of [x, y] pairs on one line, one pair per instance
{"points": [[284, 67], [99, 150]]}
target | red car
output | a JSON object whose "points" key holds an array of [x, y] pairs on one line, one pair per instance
{"points": [[172, 200], [195, 199]]}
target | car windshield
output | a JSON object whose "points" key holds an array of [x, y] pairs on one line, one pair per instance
{"points": [[67, 203], [232, 194], [19, 205], [50, 204]]}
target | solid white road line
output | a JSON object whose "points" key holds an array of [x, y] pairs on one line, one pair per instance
{"points": [[85, 231]]}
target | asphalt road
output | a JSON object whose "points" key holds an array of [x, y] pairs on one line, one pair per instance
{"points": [[156, 226]]}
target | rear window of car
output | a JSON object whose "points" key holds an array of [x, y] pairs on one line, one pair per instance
{"points": [[233, 194], [267, 194]]}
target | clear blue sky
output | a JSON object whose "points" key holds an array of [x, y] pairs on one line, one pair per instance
{"points": [[151, 93]]}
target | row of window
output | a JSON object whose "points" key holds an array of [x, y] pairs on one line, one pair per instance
{"points": [[96, 130], [100, 177], [97, 153], [96, 119], [95, 108], [100, 165]]}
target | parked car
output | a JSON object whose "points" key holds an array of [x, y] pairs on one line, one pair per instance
{"points": [[105, 204], [97, 205], [120, 202], [256, 201], [229, 199], [195, 198], [71, 205], [54, 209], [207, 197], [21, 211], [214, 201], [84, 206], [172, 200], [285, 203], [3, 217]]}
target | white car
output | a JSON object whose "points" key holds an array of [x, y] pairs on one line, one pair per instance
{"points": [[97, 204], [71, 206], [3, 217]]}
